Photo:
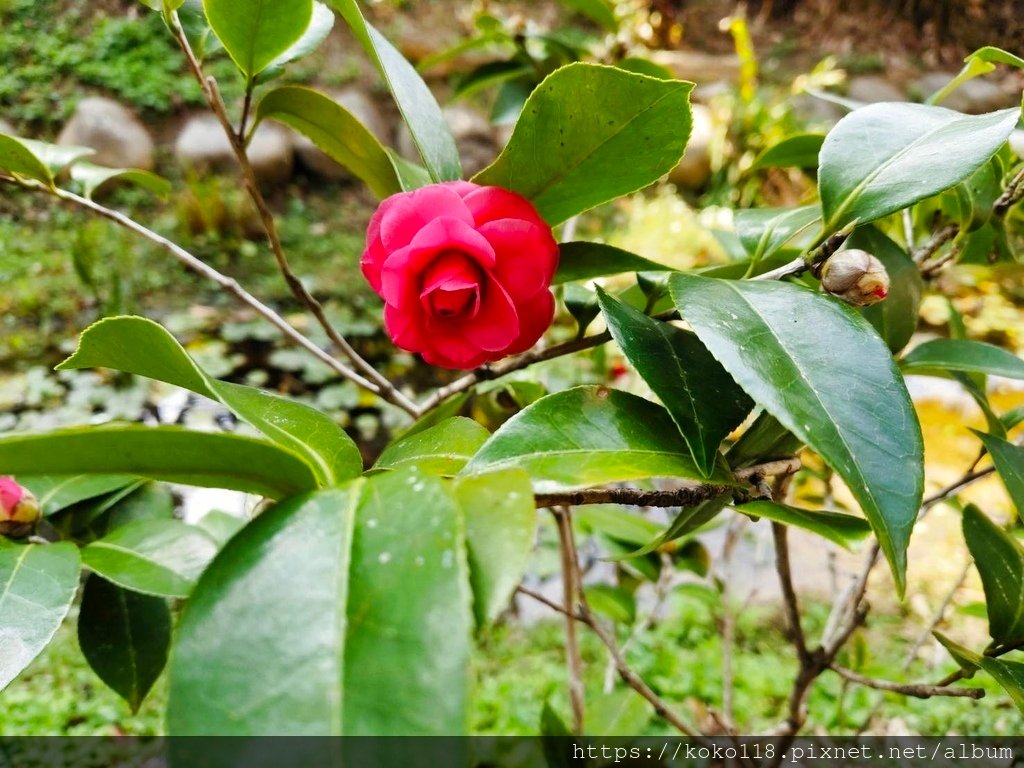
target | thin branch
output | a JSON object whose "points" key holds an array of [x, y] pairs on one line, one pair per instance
{"points": [[789, 599], [203, 269], [383, 386], [917, 691], [571, 590], [1012, 195], [937, 240], [548, 602], [732, 537], [243, 122]]}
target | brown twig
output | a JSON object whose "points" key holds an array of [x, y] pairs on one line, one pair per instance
{"points": [[384, 387], [1012, 195], [572, 591], [937, 240], [917, 691], [780, 536]]}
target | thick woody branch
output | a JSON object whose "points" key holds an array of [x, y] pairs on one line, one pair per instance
{"points": [[382, 385], [203, 269], [917, 691]]}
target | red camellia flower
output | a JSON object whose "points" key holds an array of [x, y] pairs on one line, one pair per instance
{"points": [[18, 508], [464, 271]]}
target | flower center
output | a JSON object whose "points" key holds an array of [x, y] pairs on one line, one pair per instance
{"points": [[450, 289]]}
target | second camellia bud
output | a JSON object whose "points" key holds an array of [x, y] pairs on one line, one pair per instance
{"points": [[856, 277], [19, 510]]}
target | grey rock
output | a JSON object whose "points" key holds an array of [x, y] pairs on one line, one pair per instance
{"points": [[365, 109], [202, 147], [474, 135], [975, 97], [694, 169], [113, 131], [872, 89]]}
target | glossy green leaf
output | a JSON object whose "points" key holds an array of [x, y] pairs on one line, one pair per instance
{"points": [[93, 519], [154, 557], [334, 130], [702, 398], [17, 158], [976, 196], [419, 108], [599, 11], [617, 523], [376, 599], [764, 440], [885, 157], [321, 22], [583, 120], [57, 157], [220, 526], [255, 32], [981, 62], [966, 659], [585, 261], [142, 347], [1009, 462], [763, 231], [944, 355], [834, 526], [1000, 560], [797, 151], [175, 455], [125, 637], [588, 436], [895, 319], [94, 177], [501, 525], [820, 369], [611, 602], [689, 520], [57, 492], [1010, 675], [37, 585], [443, 449]]}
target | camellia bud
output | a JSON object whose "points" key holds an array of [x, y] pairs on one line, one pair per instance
{"points": [[19, 510], [856, 277]]}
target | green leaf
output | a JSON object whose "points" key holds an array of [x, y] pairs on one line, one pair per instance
{"points": [[37, 585], [895, 319], [321, 22], [334, 130], [419, 108], [588, 436], [140, 346], [619, 713], [256, 32], [944, 355], [585, 261], [834, 526], [797, 151], [154, 557], [580, 261], [17, 158], [581, 303], [93, 177], [1010, 675], [1009, 462], [56, 157], [885, 157], [443, 449], [501, 524], [702, 398], [765, 440], [57, 492], [600, 11], [125, 637], [581, 121], [175, 455], [685, 523], [376, 599], [614, 603], [999, 558], [968, 660], [819, 368], [617, 523], [220, 526], [763, 231], [95, 518]]}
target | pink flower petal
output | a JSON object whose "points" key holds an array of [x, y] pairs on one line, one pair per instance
{"points": [[535, 318], [492, 203], [10, 495], [496, 325], [526, 256], [412, 211], [403, 270]]}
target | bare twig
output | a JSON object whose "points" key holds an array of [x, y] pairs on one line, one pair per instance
{"points": [[203, 269], [572, 590], [937, 240], [732, 537], [383, 386], [789, 599], [917, 691], [1012, 195]]}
